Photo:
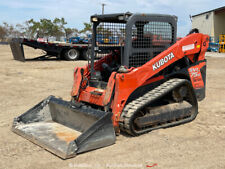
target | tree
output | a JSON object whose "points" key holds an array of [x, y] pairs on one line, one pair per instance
{"points": [[71, 32], [87, 28], [3, 33], [58, 27], [33, 28], [43, 28], [18, 31], [46, 28], [8, 31]]}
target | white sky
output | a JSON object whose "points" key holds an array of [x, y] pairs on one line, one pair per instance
{"points": [[78, 11]]}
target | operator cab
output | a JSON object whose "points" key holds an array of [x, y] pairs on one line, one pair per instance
{"points": [[127, 40]]}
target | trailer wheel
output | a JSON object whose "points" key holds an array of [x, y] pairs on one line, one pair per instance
{"points": [[87, 54], [72, 54]]}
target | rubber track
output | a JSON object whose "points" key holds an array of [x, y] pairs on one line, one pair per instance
{"points": [[145, 100]]}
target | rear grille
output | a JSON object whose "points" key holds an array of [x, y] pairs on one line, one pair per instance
{"points": [[148, 40]]}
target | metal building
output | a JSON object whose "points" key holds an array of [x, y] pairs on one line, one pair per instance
{"points": [[210, 22]]}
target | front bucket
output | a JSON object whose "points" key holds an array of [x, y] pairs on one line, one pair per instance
{"points": [[16, 46], [65, 129]]}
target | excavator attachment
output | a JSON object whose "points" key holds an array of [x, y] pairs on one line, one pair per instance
{"points": [[16, 46], [65, 129]]}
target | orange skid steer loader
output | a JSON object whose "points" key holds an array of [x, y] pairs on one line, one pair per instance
{"points": [[144, 81]]}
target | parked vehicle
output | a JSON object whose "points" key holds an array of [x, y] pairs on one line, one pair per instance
{"points": [[213, 47], [60, 50], [78, 40]]}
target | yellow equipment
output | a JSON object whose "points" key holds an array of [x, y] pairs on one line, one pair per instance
{"points": [[222, 44]]}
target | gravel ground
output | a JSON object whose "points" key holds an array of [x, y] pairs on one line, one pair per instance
{"points": [[199, 144]]}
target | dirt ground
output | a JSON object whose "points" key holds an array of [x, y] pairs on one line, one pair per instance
{"points": [[198, 145]]}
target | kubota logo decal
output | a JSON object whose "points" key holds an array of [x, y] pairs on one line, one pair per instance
{"points": [[162, 61]]}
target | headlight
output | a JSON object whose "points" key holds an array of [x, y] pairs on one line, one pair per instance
{"points": [[94, 19]]}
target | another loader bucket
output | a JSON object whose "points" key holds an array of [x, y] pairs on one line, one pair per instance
{"points": [[65, 130], [17, 49]]}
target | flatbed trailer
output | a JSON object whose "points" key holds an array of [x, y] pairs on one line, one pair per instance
{"points": [[60, 50]]}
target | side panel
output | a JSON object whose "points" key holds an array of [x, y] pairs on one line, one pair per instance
{"points": [[197, 75], [109, 89], [78, 74], [127, 83]]}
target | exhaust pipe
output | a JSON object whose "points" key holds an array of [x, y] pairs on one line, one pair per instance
{"points": [[65, 129]]}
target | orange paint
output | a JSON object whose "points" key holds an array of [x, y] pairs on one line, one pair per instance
{"points": [[67, 136]]}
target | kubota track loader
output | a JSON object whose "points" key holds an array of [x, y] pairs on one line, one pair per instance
{"points": [[145, 81]]}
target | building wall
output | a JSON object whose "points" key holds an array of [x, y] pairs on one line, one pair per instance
{"points": [[219, 24], [204, 23]]}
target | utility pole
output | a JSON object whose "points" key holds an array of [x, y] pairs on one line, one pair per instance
{"points": [[103, 5]]}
